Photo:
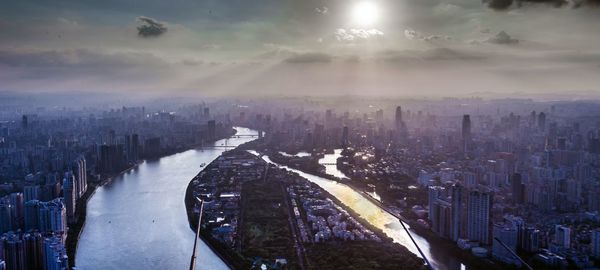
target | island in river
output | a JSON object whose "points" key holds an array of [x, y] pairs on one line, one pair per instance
{"points": [[258, 215]]}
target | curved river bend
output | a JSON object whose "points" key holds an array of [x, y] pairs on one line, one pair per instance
{"points": [[139, 221]]}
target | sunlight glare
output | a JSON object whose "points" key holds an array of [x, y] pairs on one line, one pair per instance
{"points": [[365, 13]]}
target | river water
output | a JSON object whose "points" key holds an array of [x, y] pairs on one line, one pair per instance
{"points": [[139, 221], [439, 258]]}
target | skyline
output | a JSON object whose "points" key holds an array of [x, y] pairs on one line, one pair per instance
{"points": [[424, 49]]}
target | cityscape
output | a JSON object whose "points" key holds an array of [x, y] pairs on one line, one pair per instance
{"points": [[299, 135]]}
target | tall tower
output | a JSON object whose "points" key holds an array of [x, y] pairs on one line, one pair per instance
{"points": [[466, 132], [401, 129], [398, 119]]}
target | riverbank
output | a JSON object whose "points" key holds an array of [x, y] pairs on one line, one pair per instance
{"points": [[231, 260], [437, 244], [260, 212], [75, 230]]}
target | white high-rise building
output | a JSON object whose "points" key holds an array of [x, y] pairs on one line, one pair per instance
{"points": [[479, 205]]}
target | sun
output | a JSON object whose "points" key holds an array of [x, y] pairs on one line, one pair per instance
{"points": [[365, 13]]}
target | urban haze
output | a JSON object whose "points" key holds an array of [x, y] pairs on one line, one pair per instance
{"points": [[299, 134]]}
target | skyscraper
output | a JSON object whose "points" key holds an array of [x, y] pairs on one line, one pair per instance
{"points": [[398, 119], [542, 121], [457, 206], [14, 252], [34, 251], [479, 207], [69, 196], [80, 169], [16, 200], [466, 132], [52, 216], [401, 129], [518, 189], [32, 210]]}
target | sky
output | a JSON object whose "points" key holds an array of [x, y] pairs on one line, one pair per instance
{"points": [[404, 48]]}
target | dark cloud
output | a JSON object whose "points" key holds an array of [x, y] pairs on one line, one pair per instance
{"points": [[150, 27], [506, 4], [310, 58], [555, 3], [499, 4], [502, 38]]}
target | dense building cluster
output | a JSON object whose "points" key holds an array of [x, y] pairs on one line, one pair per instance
{"points": [[320, 219], [219, 186], [49, 158], [479, 173]]}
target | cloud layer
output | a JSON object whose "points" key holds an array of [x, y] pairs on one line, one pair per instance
{"points": [[211, 46]]}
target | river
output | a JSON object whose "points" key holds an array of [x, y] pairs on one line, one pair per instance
{"points": [[440, 259], [139, 220]]}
